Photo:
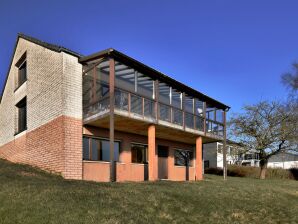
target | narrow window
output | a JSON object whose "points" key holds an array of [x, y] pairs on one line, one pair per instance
{"points": [[139, 153], [22, 115], [22, 71]]}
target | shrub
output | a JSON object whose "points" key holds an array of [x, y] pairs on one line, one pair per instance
{"points": [[254, 172]]}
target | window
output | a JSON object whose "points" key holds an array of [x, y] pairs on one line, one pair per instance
{"points": [[220, 149], [96, 149], [22, 74], [139, 153], [183, 157], [22, 115], [86, 152]]}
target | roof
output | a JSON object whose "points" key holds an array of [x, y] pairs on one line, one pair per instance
{"points": [[123, 58], [153, 74]]}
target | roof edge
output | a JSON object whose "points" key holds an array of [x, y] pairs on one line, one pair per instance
{"points": [[49, 46]]}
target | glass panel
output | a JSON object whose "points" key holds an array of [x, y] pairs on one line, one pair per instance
{"points": [[199, 123], [136, 104], [87, 88], [219, 116], [96, 89], [182, 157], [124, 77], [23, 73], [177, 116], [164, 112], [145, 86], [105, 150], [121, 100], [86, 153], [149, 108], [199, 107], [189, 120], [139, 153], [95, 149], [164, 93], [176, 99], [188, 103]]}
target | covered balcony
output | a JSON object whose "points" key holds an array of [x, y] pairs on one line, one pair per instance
{"points": [[138, 95]]}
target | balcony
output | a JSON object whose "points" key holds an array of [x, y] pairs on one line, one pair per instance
{"points": [[142, 108]]}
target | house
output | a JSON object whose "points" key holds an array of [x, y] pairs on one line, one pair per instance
{"points": [[284, 160], [235, 155], [103, 117]]}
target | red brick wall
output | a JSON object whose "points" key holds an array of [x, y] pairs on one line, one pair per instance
{"points": [[55, 146], [127, 171]]}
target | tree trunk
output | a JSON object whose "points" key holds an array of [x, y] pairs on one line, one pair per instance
{"points": [[263, 165], [187, 171]]}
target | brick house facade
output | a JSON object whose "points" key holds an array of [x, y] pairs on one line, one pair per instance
{"points": [[59, 110]]}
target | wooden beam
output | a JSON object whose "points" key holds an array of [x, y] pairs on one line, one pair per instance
{"points": [[204, 114], [156, 88], [112, 106]]}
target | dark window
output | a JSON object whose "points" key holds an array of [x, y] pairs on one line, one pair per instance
{"points": [[183, 157], [22, 74], [139, 153], [22, 115], [96, 149]]}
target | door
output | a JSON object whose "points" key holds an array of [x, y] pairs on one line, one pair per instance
{"points": [[163, 153]]}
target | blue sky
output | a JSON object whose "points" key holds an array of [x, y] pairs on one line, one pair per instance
{"points": [[233, 51]]}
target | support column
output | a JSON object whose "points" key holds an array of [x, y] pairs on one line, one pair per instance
{"points": [[112, 103], [152, 164], [199, 160], [225, 171]]}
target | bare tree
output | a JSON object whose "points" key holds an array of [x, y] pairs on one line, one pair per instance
{"points": [[290, 79], [185, 158], [267, 127]]}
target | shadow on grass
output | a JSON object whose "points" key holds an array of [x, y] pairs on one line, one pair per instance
{"points": [[294, 173]]}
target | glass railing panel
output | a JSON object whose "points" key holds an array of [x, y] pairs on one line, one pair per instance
{"points": [[177, 116], [121, 100], [136, 104], [164, 112], [149, 108], [199, 123], [189, 120], [101, 106]]}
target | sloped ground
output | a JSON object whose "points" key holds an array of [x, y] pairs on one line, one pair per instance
{"points": [[28, 195]]}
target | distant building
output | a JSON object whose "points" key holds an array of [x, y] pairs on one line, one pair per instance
{"points": [[284, 160], [213, 155]]}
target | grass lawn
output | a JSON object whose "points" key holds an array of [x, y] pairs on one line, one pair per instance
{"points": [[28, 195]]}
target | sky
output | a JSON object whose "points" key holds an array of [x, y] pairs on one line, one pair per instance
{"points": [[233, 51]]}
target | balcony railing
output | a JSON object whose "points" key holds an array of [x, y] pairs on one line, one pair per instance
{"points": [[147, 108]]}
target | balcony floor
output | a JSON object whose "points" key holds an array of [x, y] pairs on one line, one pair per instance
{"points": [[140, 126]]}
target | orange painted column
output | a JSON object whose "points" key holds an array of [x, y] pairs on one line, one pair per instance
{"points": [[199, 160], [152, 169]]}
